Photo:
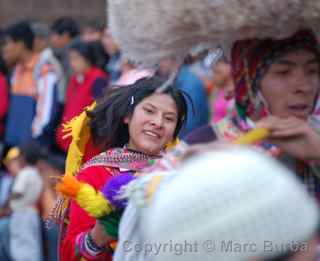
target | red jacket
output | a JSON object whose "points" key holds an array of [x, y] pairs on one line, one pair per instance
{"points": [[80, 94], [79, 220], [4, 101]]}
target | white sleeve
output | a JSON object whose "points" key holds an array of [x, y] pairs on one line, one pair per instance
{"points": [[20, 183], [36, 183], [46, 85]]}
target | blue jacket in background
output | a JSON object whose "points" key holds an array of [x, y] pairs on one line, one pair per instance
{"points": [[197, 100]]}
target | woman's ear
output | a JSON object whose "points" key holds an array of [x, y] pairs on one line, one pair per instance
{"points": [[127, 119]]}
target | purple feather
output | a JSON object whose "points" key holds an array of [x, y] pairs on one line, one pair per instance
{"points": [[113, 187]]}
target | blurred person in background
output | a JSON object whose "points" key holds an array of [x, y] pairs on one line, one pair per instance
{"points": [[42, 46], [4, 96], [25, 242], [87, 83], [50, 87], [51, 167], [223, 94], [195, 91], [11, 159], [92, 31], [18, 46], [113, 67], [64, 31]]}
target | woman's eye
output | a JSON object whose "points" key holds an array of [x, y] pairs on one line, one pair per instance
{"points": [[283, 72], [313, 71], [147, 110], [169, 119]]}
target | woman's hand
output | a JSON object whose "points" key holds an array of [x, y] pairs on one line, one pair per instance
{"points": [[294, 136], [99, 236]]}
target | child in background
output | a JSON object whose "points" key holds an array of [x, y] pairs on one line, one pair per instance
{"points": [[50, 167], [24, 224], [6, 181]]}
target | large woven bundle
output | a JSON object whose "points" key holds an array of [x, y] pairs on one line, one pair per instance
{"points": [[153, 29]]}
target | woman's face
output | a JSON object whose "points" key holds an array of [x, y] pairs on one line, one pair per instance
{"points": [[291, 85], [222, 79], [77, 62], [152, 124]]}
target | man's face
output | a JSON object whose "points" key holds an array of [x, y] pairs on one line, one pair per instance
{"points": [[291, 85], [11, 51], [59, 41]]}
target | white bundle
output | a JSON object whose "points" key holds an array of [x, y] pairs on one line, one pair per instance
{"points": [[229, 199], [154, 29]]}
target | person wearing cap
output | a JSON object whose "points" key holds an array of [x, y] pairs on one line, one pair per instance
{"points": [[6, 184], [24, 221]]}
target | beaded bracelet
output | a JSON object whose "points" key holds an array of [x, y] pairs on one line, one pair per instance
{"points": [[92, 245]]}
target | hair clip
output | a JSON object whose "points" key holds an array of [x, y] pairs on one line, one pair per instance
{"points": [[132, 100]]}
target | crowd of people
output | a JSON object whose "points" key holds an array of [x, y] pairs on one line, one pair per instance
{"points": [[70, 103]]}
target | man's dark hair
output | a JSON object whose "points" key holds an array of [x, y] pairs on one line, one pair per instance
{"points": [[93, 24], [65, 25], [21, 32]]}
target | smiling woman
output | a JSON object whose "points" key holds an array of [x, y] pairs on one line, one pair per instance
{"points": [[152, 123], [132, 125]]}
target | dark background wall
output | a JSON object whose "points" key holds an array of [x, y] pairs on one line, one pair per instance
{"points": [[48, 10]]}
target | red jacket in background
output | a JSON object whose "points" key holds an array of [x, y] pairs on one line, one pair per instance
{"points": [[4, 101], [82, 90]]}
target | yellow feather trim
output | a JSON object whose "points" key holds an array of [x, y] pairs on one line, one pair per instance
{"points": [[78, 129], [92, 201]]}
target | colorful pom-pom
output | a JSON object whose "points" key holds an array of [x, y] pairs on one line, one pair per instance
{"points": [[113, 188], [69, 186], [93, 202]]}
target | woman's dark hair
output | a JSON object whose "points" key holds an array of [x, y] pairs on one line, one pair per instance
{"points": [[93, 52], [107, 119]]}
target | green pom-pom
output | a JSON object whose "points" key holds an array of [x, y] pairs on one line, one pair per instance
{"points": [[111, 223]]}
